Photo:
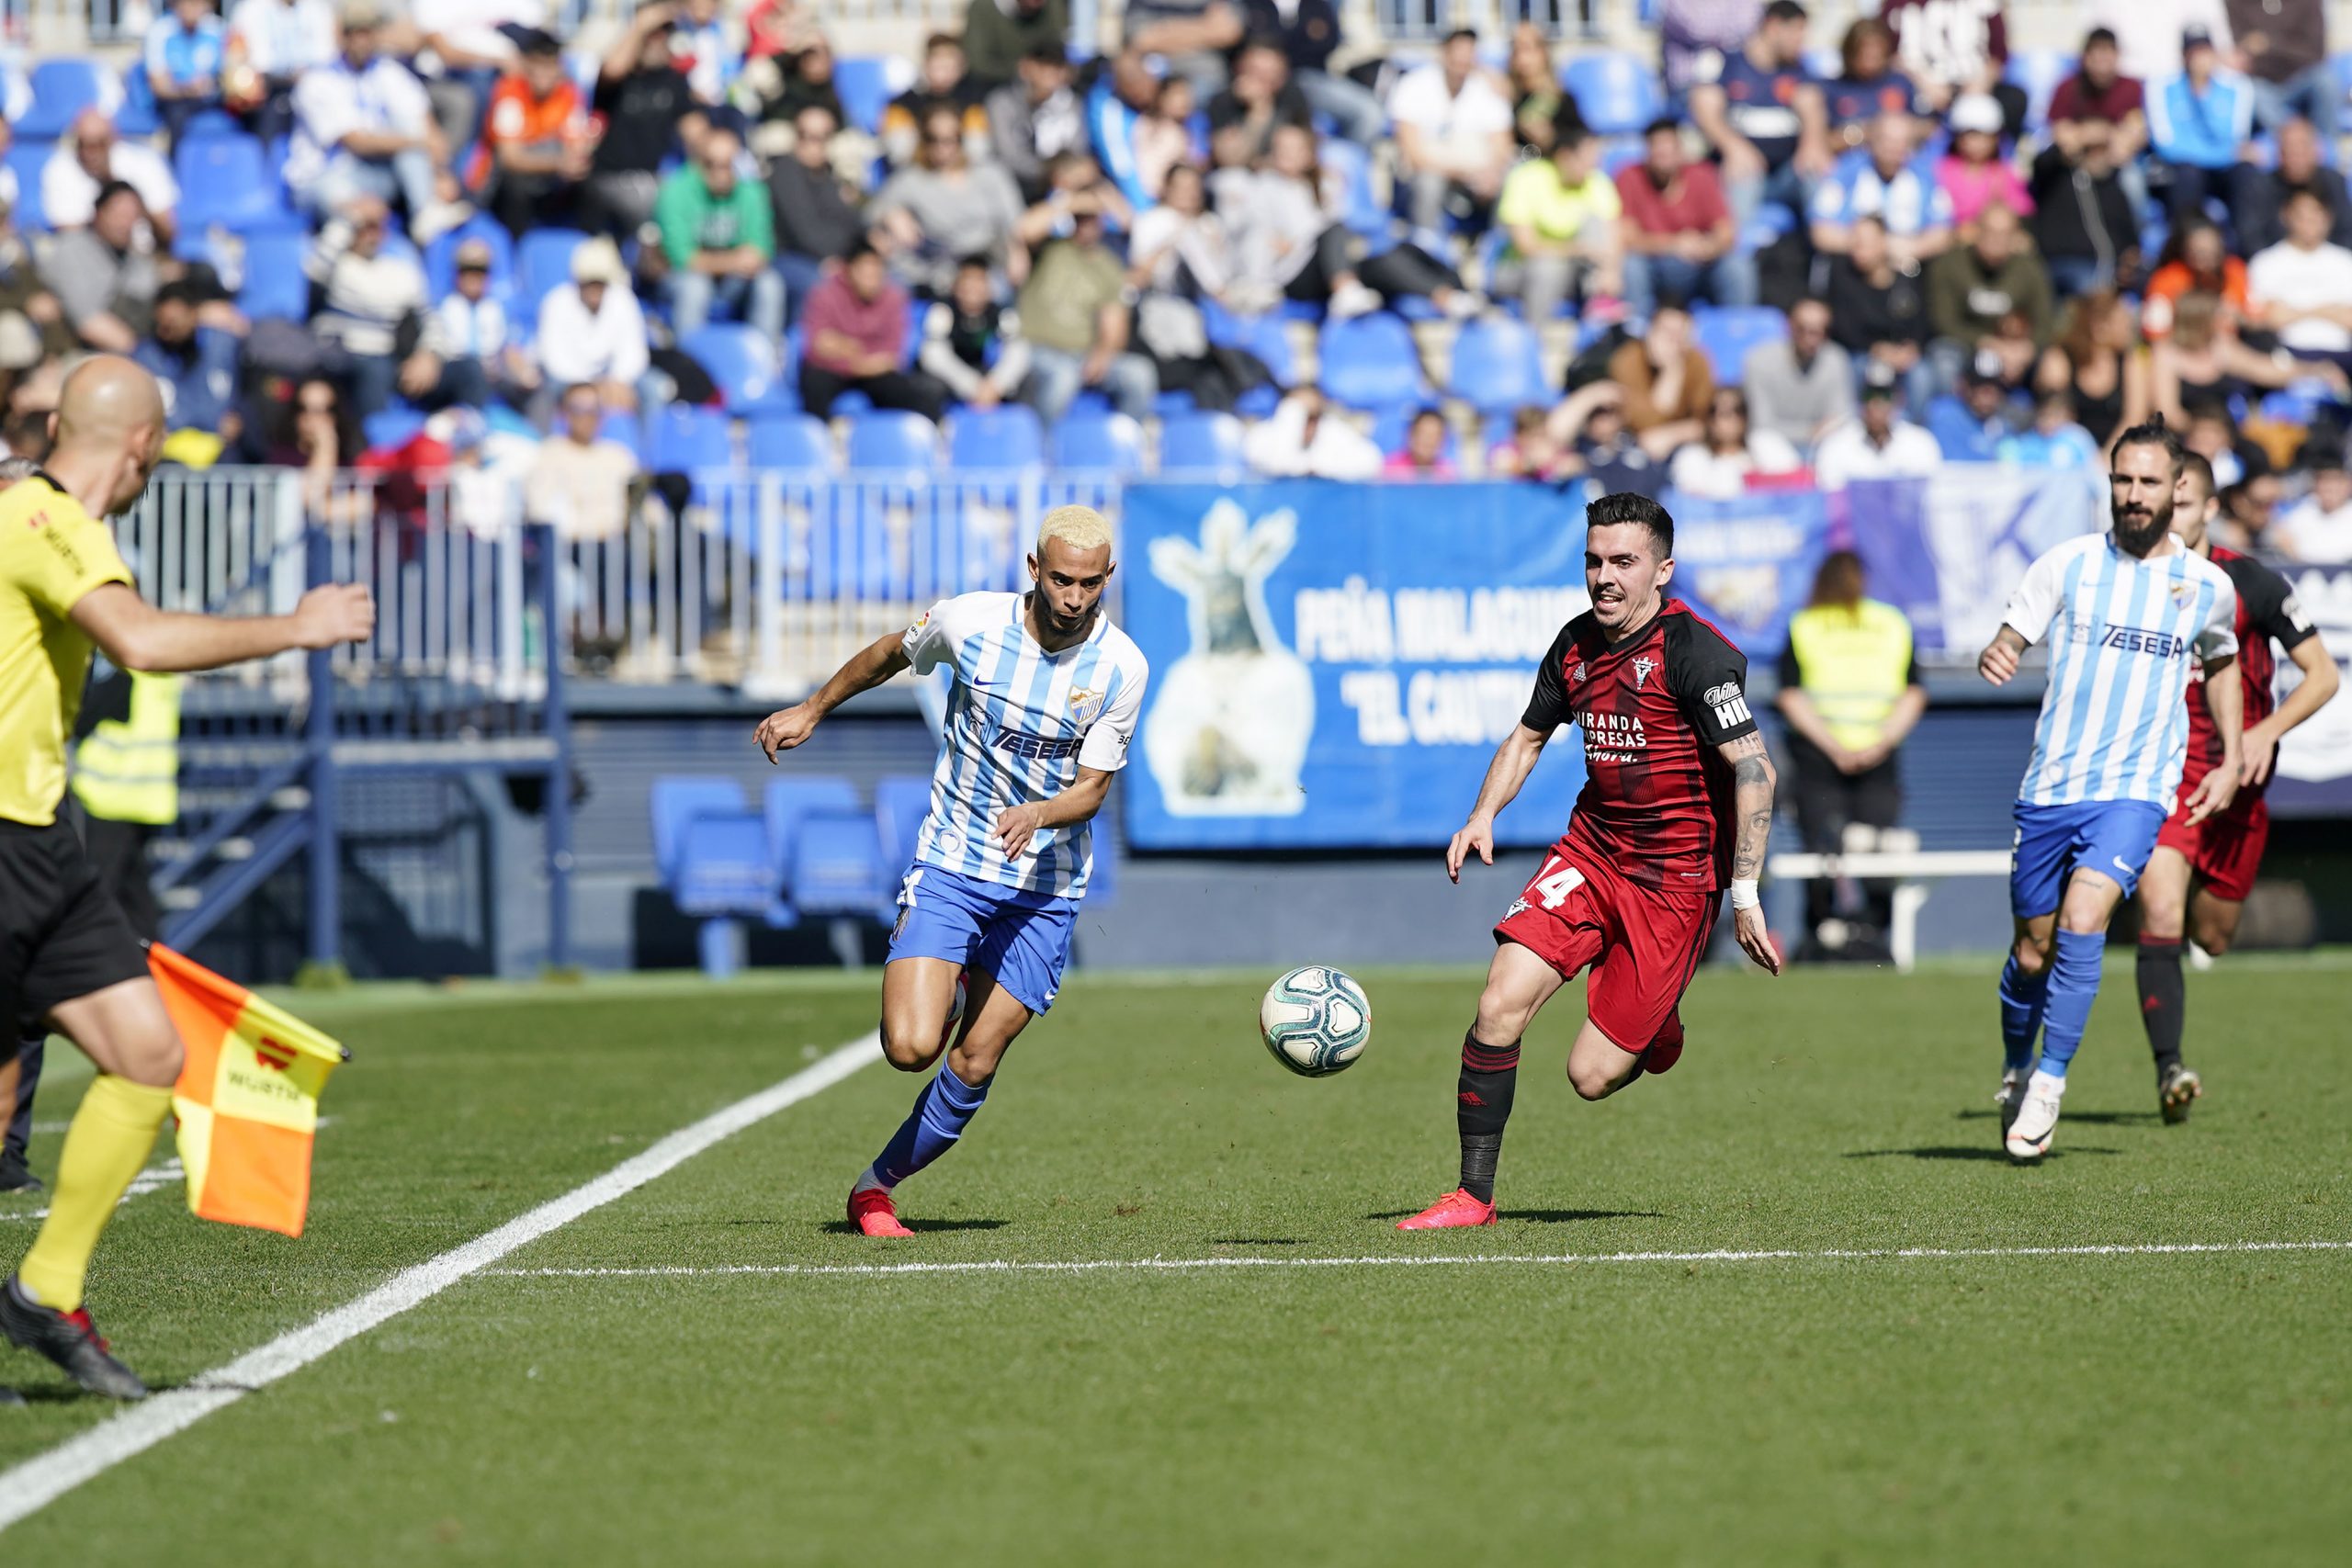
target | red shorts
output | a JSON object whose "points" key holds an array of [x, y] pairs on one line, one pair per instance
{"points": [[2225, 850], [1642, 944]]}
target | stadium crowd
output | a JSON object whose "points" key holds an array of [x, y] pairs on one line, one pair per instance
{"points": [[353, 236]]}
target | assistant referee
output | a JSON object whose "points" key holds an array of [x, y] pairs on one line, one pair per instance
{"points": [[67, 955]]}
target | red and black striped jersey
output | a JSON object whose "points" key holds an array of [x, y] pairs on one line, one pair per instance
{"points": [[2267, 612], [1654, 708]]}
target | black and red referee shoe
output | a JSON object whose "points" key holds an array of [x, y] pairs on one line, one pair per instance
{"points": [[70, 1340]]}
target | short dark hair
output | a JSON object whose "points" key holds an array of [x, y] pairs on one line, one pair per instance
{"points": [[113, 188], [2155, 432], [2193, 465], [2098, 36], [1784, 11], [1047, 54], [1665, 122], [859, 249], [943, 41], [180, 291], [1626, 507], [1470, 33], [965, 264], [1569, 135]]}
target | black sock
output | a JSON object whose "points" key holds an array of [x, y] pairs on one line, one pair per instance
{"points": [[2163, 1001], [1481, 1106]]}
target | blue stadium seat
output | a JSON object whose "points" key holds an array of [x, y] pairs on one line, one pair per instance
{"points": [[901, 802], [441, 257], [1371, 361], [723, 876], [274, 281], [1389, 429], [837, 866], [1107, 442], [677, 799], [1201, 444], [1263, 335], [684, 439], [135, 115], [723, 866], [542, 260], [893, 439], [389, 428], [862, 84], [1727, 332], [790, 798], [740, 361], [794, 440], [26, 159], [1617, 93], [622, 427], [1006, 436], [61, 89], [225, 180], [1497, 365], [2038, 71], [1360, 208]]}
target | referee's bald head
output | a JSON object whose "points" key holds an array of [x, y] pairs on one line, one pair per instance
{"points": [[109, 429]]}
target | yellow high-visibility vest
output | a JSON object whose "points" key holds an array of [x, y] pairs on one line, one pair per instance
{"points": [[128, 770], [1853, 665]]}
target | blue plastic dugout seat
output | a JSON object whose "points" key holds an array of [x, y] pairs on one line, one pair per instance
{"points": [[901, 802], [1497, 365], [837, 867], [1618, 94], [1102, 441], [541, 262], [1726, 332], [687, 440], [1006, 436], [226, 180], [740, 361], [1371, 362], [275, 284], [1201, 444], [724, 877], [787, 803], [893, 439], [677, 799], [798, 443], [61, 89]]}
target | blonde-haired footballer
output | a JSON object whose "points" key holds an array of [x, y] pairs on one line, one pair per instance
{"points": [[1046, 696]]}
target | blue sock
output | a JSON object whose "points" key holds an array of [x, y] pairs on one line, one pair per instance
{"points": [[2022, 997], [2073, 986], [943, 1109]]}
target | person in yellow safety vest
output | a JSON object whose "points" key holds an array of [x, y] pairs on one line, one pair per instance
{"points": [[125, 780], [1850, 692]]}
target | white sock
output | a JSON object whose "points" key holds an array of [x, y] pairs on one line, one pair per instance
{"points": [[870, 1181], [2047, 1083]]}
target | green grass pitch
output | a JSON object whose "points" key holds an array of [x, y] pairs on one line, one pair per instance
{"points": [[2128, 1408]]}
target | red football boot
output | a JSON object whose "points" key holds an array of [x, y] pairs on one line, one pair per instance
{"points": [[1455, 1211], [871, 1211]]}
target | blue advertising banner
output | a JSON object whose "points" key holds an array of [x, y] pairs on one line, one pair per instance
{"points": [[1333, 665], [1949, 552]]}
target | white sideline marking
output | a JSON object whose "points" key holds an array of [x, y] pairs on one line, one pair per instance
{"points": [[43, 1478], [147, 1180], [1395, 1260]]}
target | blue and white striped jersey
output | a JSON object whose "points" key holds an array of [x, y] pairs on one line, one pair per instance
{"points": [[2123, 632], [1021, 722]]}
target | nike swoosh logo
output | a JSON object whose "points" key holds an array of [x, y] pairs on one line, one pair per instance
{"points": [[2120, 865]]}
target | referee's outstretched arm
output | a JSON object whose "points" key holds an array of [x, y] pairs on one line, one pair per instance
{"points": [[136, 636]]}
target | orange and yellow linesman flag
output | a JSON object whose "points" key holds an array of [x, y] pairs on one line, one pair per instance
{"points": [[248, 1099]]}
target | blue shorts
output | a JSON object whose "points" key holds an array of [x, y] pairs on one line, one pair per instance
{"points": [[2114, 838], [1018, 939]]}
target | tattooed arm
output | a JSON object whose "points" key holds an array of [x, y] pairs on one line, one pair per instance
{"points": [[1752, 786]]}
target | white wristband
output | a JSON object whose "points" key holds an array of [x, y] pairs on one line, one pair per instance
{"points": [[1743, 893]]}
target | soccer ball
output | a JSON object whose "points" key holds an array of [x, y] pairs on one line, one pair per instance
{"points": [[1315, 1021]]}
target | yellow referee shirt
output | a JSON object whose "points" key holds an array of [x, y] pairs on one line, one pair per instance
{"points": [[51, 552]]}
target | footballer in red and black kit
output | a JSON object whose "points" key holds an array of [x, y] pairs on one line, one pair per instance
{"points": [[2197, 880], [1676, 808]]}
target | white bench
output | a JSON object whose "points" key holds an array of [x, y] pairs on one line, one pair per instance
{"points": [[1912, 871]]}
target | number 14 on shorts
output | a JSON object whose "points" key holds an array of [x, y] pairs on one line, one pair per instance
{"points": [[1552, 886]]}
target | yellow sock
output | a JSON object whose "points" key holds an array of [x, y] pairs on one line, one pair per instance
{"points": [[105, 1147]]}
